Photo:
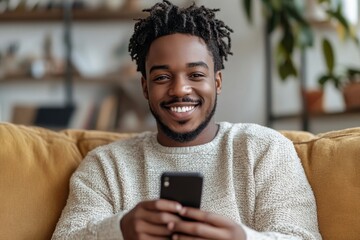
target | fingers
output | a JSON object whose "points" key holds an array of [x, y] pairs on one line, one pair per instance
{"points": [[183, 237], [148, 220], [156, 217], [197, 230], [133, 228], [149, 237], [162, 205], [206, 226], [206, 217], [158, 212], [151, 229]]}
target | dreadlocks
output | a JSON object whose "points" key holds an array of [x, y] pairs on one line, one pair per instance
{"points": [[166, 18]]}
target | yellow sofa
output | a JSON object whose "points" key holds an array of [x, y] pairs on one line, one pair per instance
{"points": [[36, 164]]}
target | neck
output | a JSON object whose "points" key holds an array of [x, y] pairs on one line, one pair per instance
{"points": [[207, 135]]}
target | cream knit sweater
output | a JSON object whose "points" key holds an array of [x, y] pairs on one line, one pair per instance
{"points": [[251, 175]]}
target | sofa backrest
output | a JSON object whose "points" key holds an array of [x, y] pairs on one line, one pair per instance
{"points": [[36, 164], [332, 165]]}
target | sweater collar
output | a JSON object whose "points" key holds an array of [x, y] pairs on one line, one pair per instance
{"points": [[210, 146]]}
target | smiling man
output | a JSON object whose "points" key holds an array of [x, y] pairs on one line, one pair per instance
{"points": [[254, 184], [181, 87]]}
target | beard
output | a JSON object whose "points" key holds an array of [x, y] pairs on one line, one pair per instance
{"points": [[187, 136]]}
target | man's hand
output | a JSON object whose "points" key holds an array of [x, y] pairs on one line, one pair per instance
{"points": [[149, 220], [206, 226]]}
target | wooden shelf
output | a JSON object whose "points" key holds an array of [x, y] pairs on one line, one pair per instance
{"points": [[108, 80], [316, 115], [78, 15]]}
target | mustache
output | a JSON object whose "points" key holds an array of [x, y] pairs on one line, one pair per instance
{"points": [[182, 100]]}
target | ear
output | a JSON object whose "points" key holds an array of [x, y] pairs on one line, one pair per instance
{"points": [[144, 88], [218, 81]]}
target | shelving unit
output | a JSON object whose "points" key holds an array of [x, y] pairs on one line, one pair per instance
{"points": [[309, 117], [77, 15], [105, 80], [304, 116], [317, 115], [67, 16]]}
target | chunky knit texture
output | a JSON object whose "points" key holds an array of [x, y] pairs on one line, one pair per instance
{"points": [[251, 174]]}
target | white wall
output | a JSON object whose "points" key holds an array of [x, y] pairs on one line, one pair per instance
{"points": [[242, 99]]}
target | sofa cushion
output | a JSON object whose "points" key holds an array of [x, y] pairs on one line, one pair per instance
{"points": [[35, 167], [332, 165]]}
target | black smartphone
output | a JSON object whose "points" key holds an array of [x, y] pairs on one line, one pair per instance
{"points": [[183, 187]]}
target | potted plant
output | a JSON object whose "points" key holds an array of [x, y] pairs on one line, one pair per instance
{"points": [[296, 33], [347, 81]]}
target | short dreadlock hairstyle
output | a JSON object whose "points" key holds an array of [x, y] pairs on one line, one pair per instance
{"points": [[166, 19]]}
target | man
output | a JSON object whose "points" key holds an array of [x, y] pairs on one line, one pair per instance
{"points": [[254, 184]]}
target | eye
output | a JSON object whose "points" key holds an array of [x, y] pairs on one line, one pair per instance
{"points": [[161, 78], [197, 76]]}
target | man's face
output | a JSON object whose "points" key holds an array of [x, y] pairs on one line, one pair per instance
{"points": [[181, 87]]}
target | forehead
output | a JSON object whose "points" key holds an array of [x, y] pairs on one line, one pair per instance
{"points": [[178, 48]]}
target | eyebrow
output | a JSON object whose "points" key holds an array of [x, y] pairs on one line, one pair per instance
{"points": [[189, 65], [156, 67], [197, 64]]}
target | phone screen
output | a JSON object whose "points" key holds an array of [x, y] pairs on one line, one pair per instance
{"points": [[183, 187]]}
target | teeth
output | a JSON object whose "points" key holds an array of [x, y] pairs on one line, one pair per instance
{"points": [[182, 109]]}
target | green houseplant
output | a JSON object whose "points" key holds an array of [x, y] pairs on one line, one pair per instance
{"points": [[346, 80], [296, 33], [296, 30]]}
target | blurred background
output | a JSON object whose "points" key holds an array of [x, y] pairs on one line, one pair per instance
{"points": [[65, 64]]}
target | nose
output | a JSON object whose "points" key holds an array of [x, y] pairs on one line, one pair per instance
{"points": [[180, 87]]}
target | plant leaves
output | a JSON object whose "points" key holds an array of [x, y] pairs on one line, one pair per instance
{"points": [[288, 40], [272, 23], [297, 32], [336, 80], [247, 4], [267, 4], [353, 71], [287, 69], [352, 74], [323, 79], [280, 54], [295, 13], [276, 4], [328, 55]]}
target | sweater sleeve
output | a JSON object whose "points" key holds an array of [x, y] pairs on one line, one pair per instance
{"points": [[285, 204], [89, 213]]}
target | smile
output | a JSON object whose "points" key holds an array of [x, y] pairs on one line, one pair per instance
{"points": [[182, 109]]}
